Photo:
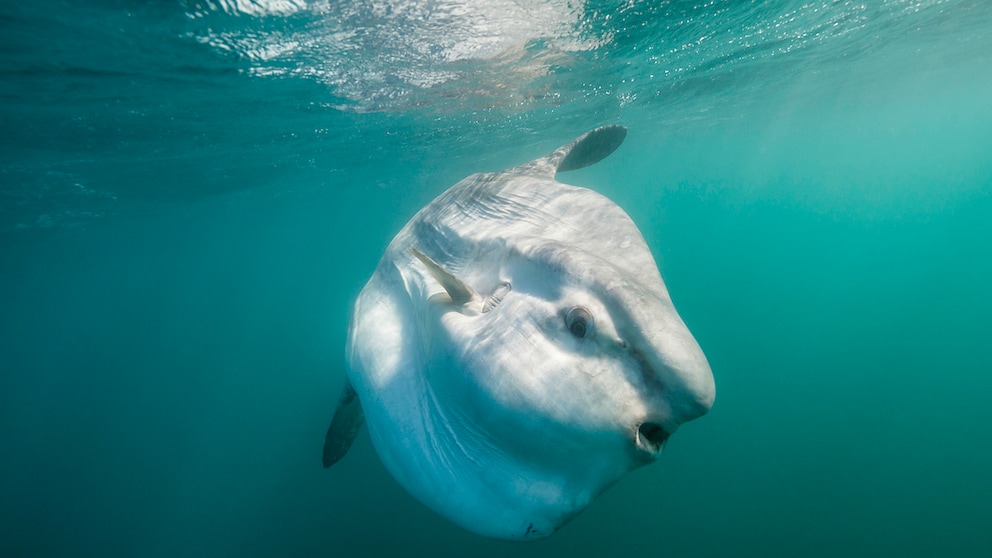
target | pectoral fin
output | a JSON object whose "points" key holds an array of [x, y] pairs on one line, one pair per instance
{"points": [[459, 292], [348, 419]]}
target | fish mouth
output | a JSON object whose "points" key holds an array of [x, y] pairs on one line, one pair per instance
{"points": [[651, 438]]}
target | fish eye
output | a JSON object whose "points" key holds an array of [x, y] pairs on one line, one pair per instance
{"points": [[579, 321]]}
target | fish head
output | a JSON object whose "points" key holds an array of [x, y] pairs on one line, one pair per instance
{"points": [[575, 362]]}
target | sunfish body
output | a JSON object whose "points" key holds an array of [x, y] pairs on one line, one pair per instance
{"points": [[516, 352]]}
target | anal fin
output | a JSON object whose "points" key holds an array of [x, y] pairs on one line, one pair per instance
{"points": [[348, 420]]}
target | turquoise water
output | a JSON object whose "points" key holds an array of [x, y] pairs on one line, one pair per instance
{"points": [[192, 195]]}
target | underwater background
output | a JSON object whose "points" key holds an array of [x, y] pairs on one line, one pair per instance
{"points": [[193, 193]]}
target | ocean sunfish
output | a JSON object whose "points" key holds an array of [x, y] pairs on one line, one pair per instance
{"points": [[516, 351]]}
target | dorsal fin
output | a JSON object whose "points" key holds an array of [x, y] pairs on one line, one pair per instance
{"points": [[587, 149], [459, 292]]}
